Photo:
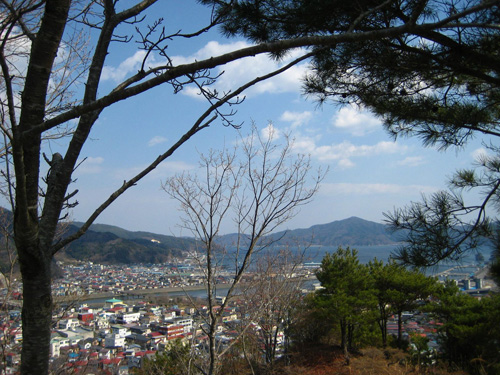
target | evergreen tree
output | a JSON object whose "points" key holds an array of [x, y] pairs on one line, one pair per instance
{"points": [[406, 291], [398, 289], [175, 360], [441, 86], [382, 276], [469, 331], [346, 295]]}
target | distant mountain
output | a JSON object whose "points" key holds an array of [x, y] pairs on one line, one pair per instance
{"points": [[114, 245], [110, 244], [127, 234], [348, 232]]}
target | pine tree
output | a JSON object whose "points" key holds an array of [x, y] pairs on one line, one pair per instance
{"points": [[346, 295]]}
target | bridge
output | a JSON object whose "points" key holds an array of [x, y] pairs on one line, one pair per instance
{"points": [[458, 268]]}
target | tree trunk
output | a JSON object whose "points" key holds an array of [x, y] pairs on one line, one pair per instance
{"points": [[34, 252], [350, 335], [400, 329], [383, 328], [343, 334], [36, 312], [213, 353], [382, 323], [343, 344]]}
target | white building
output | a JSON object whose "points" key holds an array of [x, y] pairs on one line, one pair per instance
{"points": [[187, 323], [68, 323], [55, 345], [120, 330], [114, 340], [126, 318]]}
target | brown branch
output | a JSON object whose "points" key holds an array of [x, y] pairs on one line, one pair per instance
{"points": [[181, 70], [194, 129]]}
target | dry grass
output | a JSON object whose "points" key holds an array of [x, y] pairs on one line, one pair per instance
{"points": [[329, 360]]}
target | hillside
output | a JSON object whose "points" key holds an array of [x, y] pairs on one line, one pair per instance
{"points": [[348, 232], [110, 244]]}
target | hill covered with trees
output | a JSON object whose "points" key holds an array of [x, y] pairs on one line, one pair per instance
{"points": [[109, 244], [348, 232]]}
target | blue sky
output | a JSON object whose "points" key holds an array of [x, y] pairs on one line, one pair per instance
{"points": [[368, 173]]}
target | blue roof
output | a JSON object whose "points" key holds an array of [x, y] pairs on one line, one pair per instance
{"points": [[113, 300]]}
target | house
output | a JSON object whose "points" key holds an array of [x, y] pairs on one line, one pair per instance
{"points": [[56, 343], [16, 335], [12, 359], [87, 343], [157, 338], [120, 330], [110, 364], [85, 317], [110, 303], [145, 342], [70, 323], [143, 330], [127, 318], [104, 353], [138, 358], [229, 317], [113, 340], [101, 323], [186, 323]]}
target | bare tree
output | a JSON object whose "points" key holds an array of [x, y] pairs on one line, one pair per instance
{"points": [[41, 99], [258, 192], [272, 296], [10, 301]]}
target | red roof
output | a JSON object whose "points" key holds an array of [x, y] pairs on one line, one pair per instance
{"points": [[111, 361], [142, 354]]}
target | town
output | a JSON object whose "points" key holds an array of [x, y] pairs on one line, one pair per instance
{"points": [[114, 317]]}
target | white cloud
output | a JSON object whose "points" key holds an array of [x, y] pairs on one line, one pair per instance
{"points": [[17, 49], [156, 140], [243, 70], [270, 132], [235, 74], [368, 189], [16, 54], [164, 170], [296, 118], [345, 151], [212, 48], [412, 161], [479, 153], [356, 122], [90, 165], [345, 163], [126, 67]]}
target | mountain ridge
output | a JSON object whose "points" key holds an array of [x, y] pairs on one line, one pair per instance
{"points": [[352, 231], [104, 243]]}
